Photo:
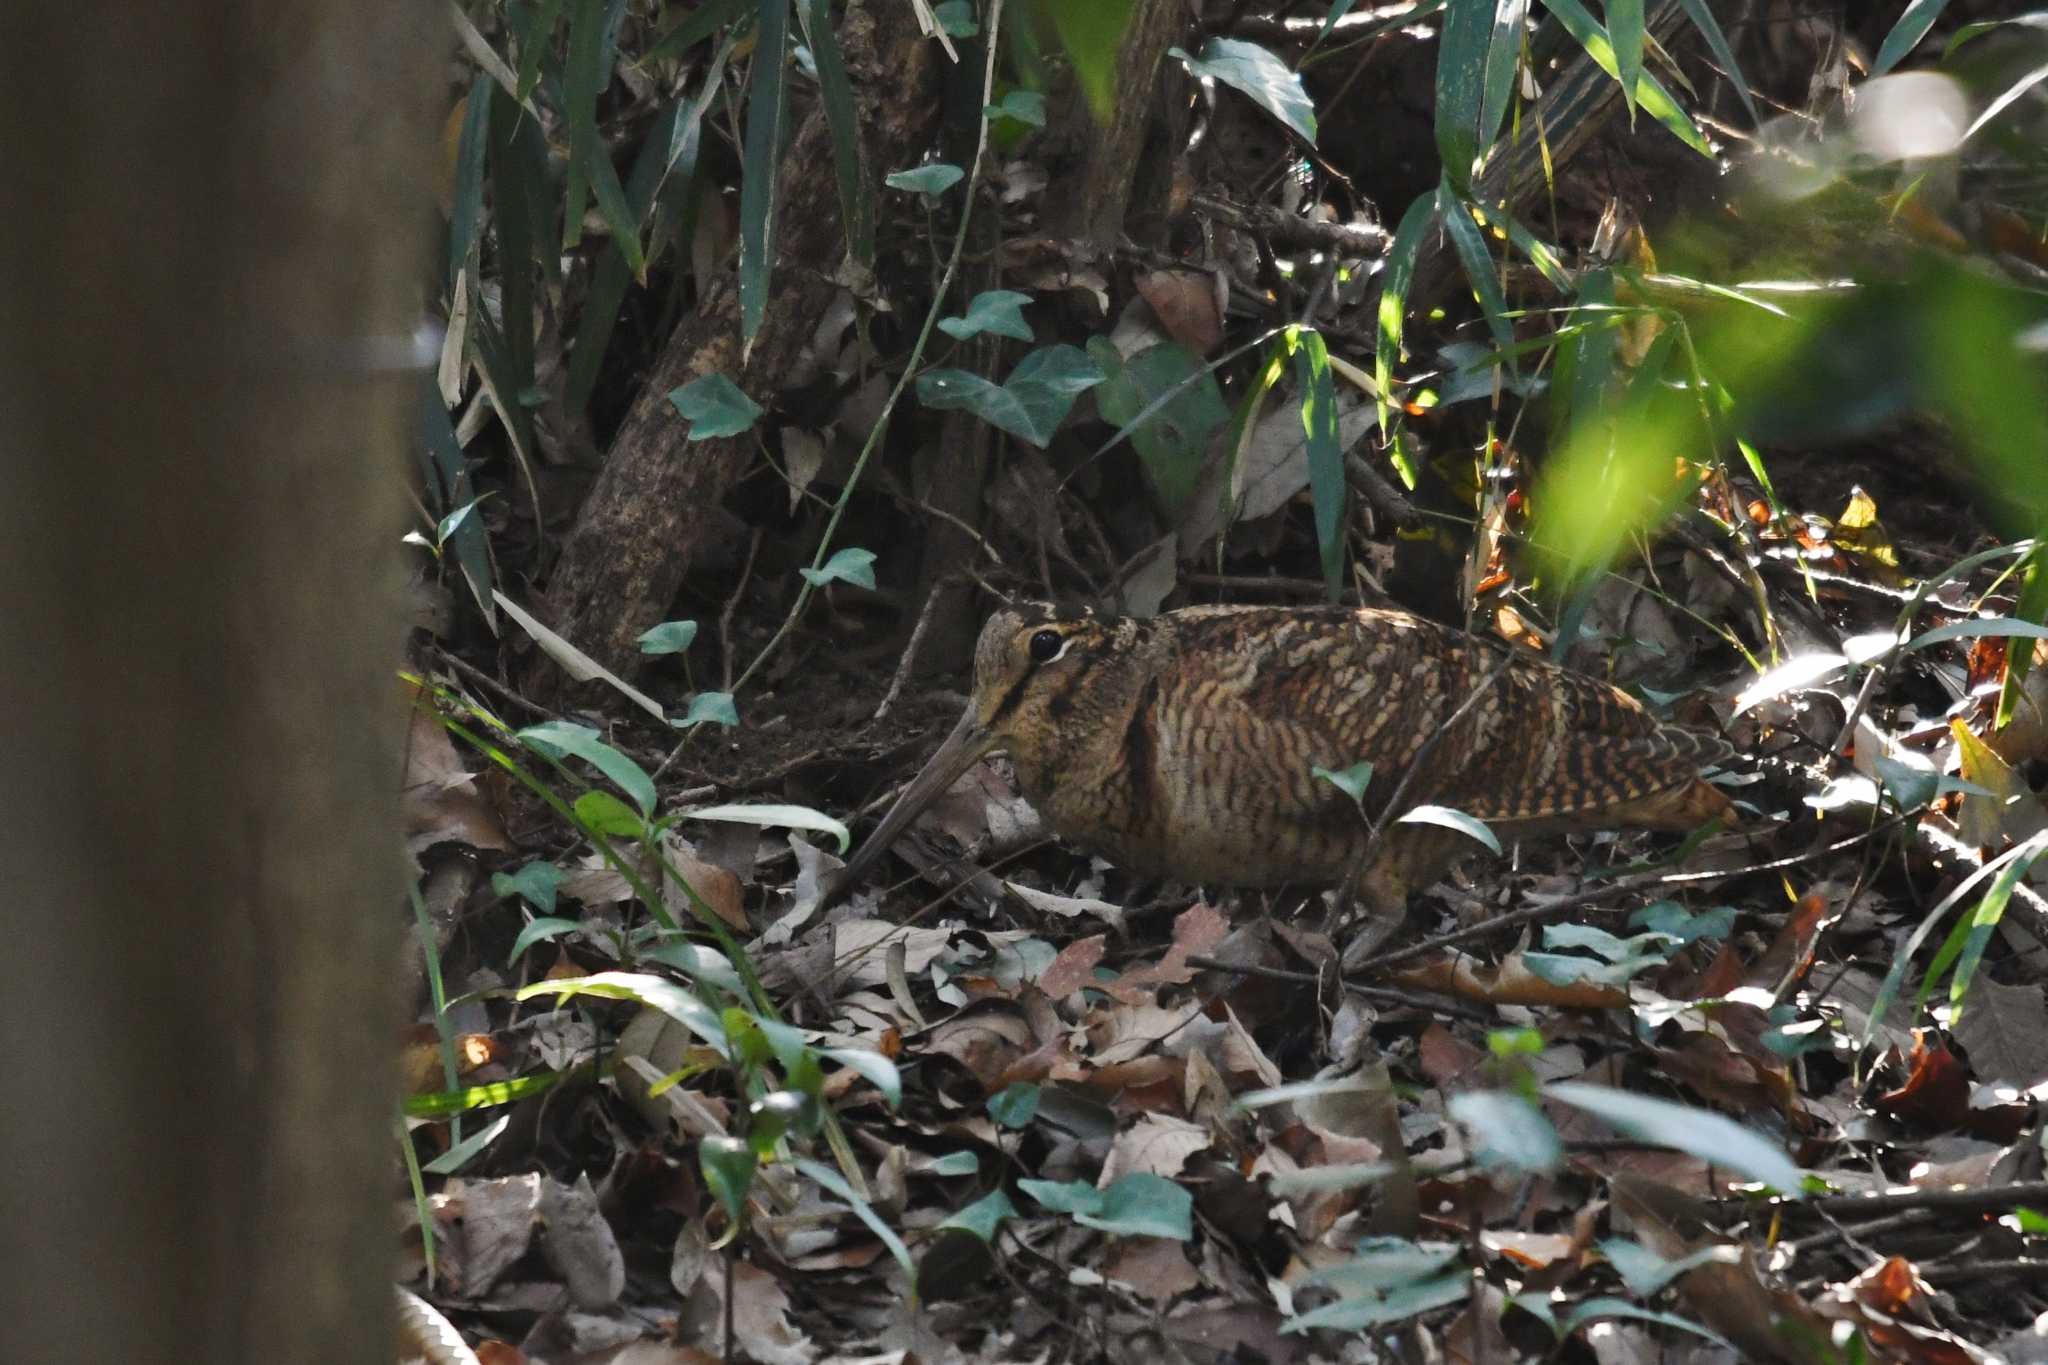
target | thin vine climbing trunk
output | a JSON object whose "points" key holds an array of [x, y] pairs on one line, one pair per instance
{"points": [[659, 492], [206, 287]]}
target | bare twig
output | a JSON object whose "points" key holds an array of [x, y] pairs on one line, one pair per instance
{"points": [[1962, 1200], [492, 685], [917, 632], [725, 617], [1370, 484]]}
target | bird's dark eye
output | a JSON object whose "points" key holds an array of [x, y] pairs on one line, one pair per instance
{"points": [[1045, 646]]}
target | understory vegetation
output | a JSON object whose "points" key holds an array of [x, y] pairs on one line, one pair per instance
{"points": [[1697, 346]]}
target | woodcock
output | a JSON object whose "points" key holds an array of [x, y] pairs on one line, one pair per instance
{"points": [[1183, 746]]}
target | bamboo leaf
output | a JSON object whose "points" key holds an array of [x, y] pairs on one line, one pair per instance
{"points": [[767, 107]]}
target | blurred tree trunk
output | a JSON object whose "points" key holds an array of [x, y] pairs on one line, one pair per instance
{"points": [[659, 492], [210, 285]]}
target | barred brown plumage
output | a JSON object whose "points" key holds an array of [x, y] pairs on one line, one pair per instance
{"points": [[1184, 745]]}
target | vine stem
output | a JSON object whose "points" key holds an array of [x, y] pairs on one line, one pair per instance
{"points": [[993, 32]]}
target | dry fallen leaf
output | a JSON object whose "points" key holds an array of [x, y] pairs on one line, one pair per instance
{"points": [[440, 800]]}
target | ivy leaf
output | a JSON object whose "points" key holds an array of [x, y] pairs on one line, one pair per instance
{"points": [[715, 707], [849, 565], [1169, 402], [1144, 1205], [1015, 1105], [984, 1215], [776, 816], [931, 180], [1352, 781], [1000, 311], [1031, 404], [715, 406], [1020, 106], [956, 18], [536, 882], [670, 637]]}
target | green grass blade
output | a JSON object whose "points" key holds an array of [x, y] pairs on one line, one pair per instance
{"points": [[451, 477], [2019, 658], [1398, 277], [535, 37], [855, 208], [466, 207], [1503, 55], [1461, 86], [1906, 34], [695, 27], [1625, 27], [767, 106], [1646, 90], [1325, 456], [1470, 245]]}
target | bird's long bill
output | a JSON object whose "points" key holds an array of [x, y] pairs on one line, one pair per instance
{"points": [[969, 741]]}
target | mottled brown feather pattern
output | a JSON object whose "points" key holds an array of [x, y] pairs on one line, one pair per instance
{"points": [[1183, 745]]}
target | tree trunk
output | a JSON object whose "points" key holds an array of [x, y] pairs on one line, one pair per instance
{"points": [[1126, 166], [658, 493], [207, 298]]}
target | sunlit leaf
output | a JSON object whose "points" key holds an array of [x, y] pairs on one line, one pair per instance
{"points": [[1451, 819], [1325, 455], [1270, 82], [652, 991], [1092, 32], [775, 816], [604, 813], [459, 1155]]}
